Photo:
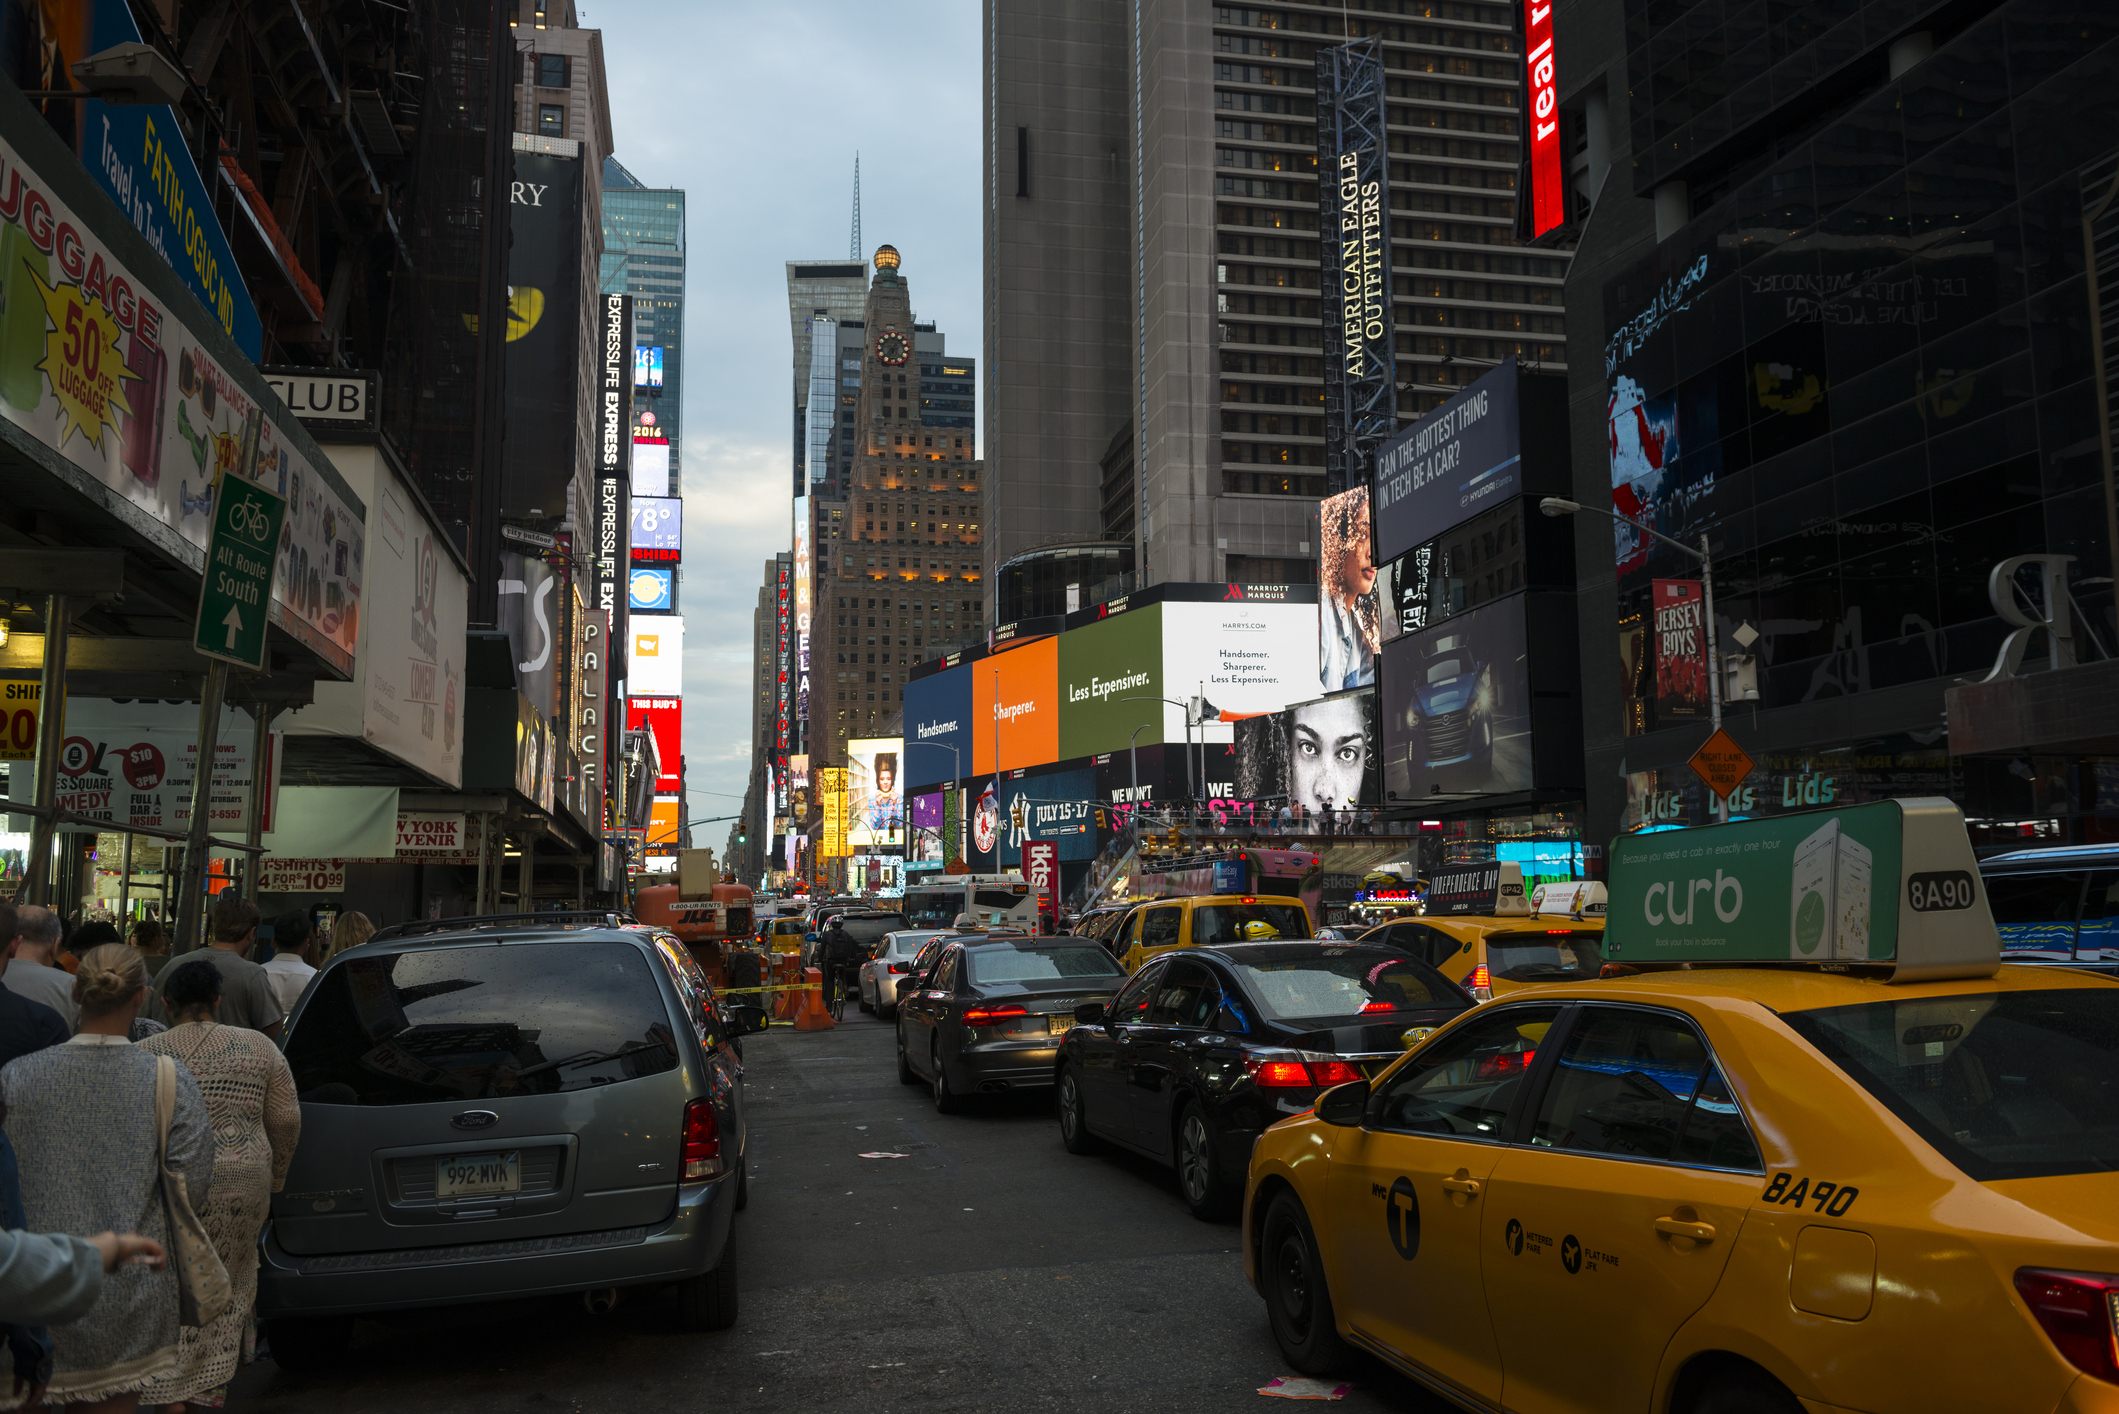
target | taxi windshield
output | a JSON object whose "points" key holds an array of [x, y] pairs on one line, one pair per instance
{"points": [[2003, 1085], [1343, 983], [1546, 955]]}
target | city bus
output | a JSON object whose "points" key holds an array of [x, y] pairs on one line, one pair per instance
{"points": [[995, 900]]}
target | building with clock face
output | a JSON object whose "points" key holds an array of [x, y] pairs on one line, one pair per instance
{"points": [[894, 500]]}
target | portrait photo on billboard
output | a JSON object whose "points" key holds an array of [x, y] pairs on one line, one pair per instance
{"points": [[1348, 606], [875, 798], [1313, 754], [1456, 707]]}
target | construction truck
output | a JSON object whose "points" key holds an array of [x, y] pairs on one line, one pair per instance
{"points": [[704, 910]]}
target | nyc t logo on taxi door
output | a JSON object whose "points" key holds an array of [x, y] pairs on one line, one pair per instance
{"points": [[1401, 1215]]}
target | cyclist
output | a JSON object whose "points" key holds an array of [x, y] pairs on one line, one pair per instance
{"points": [[839, 956]]}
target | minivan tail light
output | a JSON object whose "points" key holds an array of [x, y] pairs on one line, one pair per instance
{"points": [[1481, 984], [701, 1155], [2079, 1312]]}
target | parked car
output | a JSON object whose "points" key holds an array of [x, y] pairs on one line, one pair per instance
{"points": [[1206, 1048], [988, 1012], [502, 1107], [2056, 905], [892, 960]]}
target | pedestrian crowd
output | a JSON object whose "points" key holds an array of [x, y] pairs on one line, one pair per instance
{"points": [[146, 1118]]}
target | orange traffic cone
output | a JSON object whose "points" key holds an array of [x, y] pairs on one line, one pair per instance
{"points": [[813, 1016]]}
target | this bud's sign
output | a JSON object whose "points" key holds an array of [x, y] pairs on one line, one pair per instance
{"points": [[1893, 882], [1680, 651]]}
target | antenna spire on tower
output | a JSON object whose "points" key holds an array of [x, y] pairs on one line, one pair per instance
{"points": [[853, 243]]}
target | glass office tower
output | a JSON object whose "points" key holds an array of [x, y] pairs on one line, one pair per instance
{"points": [[643, 256]]}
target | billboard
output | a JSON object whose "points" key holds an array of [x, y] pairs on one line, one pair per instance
{"points": [[651, 589], [831, 800], [658, 528], [1548, 199], [654, 663], [1320, 754], [1059, 806], [1348, 605], [1244, 656], [651, 467], [1457, 706], [663, 835], [1353, 226], [544, 342], [135, 762], [930, 836], [1462, 458], [647, 365], [805, 591], [412, 652], [663, 717], [1680, 652], [1102, 666], [1015, 707], [875, 792]]}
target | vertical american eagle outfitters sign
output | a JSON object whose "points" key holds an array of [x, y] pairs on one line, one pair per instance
{"points": [[1354, 246]]}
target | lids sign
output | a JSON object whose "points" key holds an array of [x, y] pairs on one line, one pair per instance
{"points": [[1828, 886]]}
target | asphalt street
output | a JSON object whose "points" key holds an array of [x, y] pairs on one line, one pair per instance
{"points": [[987, 1270]]}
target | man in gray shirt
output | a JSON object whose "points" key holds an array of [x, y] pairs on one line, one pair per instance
{"points": [[246, 988], [31, 974]]}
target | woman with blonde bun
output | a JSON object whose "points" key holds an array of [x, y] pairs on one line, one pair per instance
{"points": [[82, 1118], [350, 931], [256, 1121]]}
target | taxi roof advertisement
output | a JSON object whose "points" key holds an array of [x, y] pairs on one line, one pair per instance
{"points": [[1894, 882]]}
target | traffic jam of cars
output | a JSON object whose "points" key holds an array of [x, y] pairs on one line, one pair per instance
{"points": [[1724, 1133]]}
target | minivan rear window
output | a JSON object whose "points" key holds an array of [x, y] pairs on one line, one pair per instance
{"points": [[869, 929], [1546, 955], [480, 1023]]}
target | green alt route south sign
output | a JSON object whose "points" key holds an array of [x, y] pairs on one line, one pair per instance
{"points": [[240, 557]]}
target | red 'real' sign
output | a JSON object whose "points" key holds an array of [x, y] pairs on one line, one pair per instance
{"points": [[1548, 197]]}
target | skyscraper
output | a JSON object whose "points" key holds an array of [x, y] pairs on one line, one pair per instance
{"points": [[1154, 378], [830, 291], [643, 256]]}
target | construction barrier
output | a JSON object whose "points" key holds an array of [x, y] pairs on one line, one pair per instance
{"points": [[810, 1014]]}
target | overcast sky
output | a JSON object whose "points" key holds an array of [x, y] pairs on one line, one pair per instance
{"points": [[757, 111]]}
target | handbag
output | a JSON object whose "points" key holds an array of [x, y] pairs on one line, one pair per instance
{"points": [[203, 1291]]}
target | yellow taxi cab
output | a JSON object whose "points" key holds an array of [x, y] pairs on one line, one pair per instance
{"points": [[1552, 934], [1832, 1155], [782, 935], [1208, 920]]}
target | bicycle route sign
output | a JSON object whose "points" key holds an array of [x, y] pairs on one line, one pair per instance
{"points": [[236, 594]]}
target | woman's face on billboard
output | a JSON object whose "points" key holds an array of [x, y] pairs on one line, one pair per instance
{"points": [[886, 779], [1328, 753], [1357, 572]]}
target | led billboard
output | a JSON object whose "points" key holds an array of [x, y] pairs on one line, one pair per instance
{"points": [[1457, 707], [1103, 666], [1015, 707], [875, 792], [651, 589], [663, 717], [658, 527], [1244, 656], [647, 365], [1548, 202], [1457, 461], [654, 664], [1057, 805], [1348, 633], [938, 727], [651, 467], [805, 589], [1319, 755]]}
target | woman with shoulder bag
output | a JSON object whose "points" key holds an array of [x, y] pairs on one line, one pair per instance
{"points": [[256, 1120], [95, 1158]]}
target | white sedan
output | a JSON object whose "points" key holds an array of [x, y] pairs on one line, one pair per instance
{"points": [[879, 975]]}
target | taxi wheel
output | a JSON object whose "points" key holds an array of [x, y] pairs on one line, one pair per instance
{"points": [[1297, 1303], [1747, 1392], [1210, 1198], [1073, 1116], [946, 1100]]}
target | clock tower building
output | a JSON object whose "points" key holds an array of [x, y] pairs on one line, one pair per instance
{"points": [[903, 579]]}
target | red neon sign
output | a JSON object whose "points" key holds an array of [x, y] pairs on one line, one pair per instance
{"points": [[1548, 201]]}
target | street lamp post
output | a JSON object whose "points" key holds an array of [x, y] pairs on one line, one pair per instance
{"points": [[1188, 735], [1557, 506], [1133, 764]]}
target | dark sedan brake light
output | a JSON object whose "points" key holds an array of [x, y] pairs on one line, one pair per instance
{"points": [[1289, 1075], [993, 1015]]}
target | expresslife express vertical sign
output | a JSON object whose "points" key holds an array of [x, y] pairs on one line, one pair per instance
{"points": [[1548, 197], [614, 445]]}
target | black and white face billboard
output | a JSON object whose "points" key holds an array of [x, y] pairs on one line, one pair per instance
{"points": [[1354, 247]]}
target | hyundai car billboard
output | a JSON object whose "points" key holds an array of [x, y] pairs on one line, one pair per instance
{"points": [[1456, 707]]}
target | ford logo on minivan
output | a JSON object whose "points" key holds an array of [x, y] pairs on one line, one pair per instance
{"points": [[474, 1119]]}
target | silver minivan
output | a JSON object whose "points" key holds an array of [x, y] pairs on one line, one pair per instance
{"points": [[506, 1107]]}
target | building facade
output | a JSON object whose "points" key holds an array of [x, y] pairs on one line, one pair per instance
{"points": [[643, 256], [1846, 331], [1153, 340], [820, 295]]}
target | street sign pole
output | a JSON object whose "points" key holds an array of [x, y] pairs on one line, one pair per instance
{"points": [[235, 597]]}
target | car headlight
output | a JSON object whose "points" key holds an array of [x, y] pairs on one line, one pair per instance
{"points": [[1483, 699]]}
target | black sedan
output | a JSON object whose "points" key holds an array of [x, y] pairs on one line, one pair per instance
{"points": [[987, 1012], [1205, 1048]]}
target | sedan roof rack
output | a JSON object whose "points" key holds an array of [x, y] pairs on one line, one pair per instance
{"points": [[424, 927]]}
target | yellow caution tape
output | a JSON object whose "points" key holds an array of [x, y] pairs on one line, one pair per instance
{"points": [[781, 987]]}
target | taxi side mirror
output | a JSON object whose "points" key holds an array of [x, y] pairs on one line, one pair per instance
{"points": [[1344, 1104]]}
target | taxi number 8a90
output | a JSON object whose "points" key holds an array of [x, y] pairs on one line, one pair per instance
{"points": [[1793, 1190]]}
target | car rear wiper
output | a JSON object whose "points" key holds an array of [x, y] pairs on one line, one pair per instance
{"points": [[592, 1057]]}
